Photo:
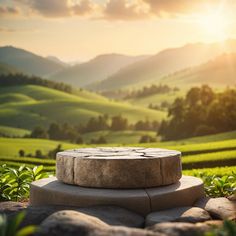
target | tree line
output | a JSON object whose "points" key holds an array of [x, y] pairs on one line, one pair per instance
{"points": [[21, 79], [150, 90], [39, 154], [201, 112], [73, 133]]}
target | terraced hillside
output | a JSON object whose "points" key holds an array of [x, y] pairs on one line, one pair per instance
{"points": [[198, 153], [26, 106]]}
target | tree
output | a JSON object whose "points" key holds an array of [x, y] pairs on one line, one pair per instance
{"points": [[39, 132], [100, 140], [52, 153], [79, 140], [38, 154], [21, 153], [119, 123], [54, 131], [147, 139], [201, 112]]}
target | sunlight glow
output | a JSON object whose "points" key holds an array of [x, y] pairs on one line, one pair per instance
{"points": [[215, 23]]}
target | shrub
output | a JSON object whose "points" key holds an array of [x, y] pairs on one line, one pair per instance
{"points": [[100, 140], [147, 139], [21, 153], [216, 186], [11, 227], [228, 229], [15, 183]]}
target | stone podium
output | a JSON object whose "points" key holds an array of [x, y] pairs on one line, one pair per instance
{"points": [[139, 179]]}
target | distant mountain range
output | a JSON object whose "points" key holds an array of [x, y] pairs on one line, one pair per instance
{"points": [[7, 69], [28, 62], [57, 60], [95, 70], [218, 71], [166, 62], [111, 72]]}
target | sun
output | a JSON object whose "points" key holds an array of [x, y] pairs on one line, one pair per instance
{"points": [[215, 23]]}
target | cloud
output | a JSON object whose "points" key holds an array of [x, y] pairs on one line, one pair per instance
{"points": [[125, 10], [57, 8], [7, 30], [83, 8], [51, 8], [179, 7], [7, 10], [112, 9]]}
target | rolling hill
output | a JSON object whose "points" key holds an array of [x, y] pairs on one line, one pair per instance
{"points": [[6, 131], [27, 106], [220, 71], [168, 61], [28, 62], [94, 70]]}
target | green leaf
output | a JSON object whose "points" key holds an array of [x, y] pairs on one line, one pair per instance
{"points": [[15, 223], [38, 170], [28, 230], [3, 225]]}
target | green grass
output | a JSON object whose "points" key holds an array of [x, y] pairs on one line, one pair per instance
{"points": [[198, 155], [225, 158], [11, 146], [157, 99], [218, 171], [29, 105], [198, 145], [13, 132], [29, 160], [219, 156], [18, 164]]}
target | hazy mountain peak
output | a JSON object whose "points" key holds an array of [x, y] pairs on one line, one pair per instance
{"points": [[28, 62]]}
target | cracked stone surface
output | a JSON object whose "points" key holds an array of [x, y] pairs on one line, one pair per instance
{"points": [[119, 167]]}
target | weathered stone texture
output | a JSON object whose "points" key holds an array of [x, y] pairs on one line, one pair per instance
{"points": [[119, 167]]}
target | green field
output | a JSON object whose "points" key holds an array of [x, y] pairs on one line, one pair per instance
{"points": [[11, 146], [29, 105], [218, 171], [195, 155], [118, 137], [157, 99], [6, 131]]}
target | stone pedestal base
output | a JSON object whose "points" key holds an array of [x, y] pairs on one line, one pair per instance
{"points": [[50, 191]]}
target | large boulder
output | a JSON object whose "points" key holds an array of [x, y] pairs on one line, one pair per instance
{"points": [[116, 216], [70, 223], [180, 214], [12, 207], [111, 215], [183, 228], [219, 208]]}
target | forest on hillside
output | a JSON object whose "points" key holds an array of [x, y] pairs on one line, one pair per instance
{"points": [[202, 111]]}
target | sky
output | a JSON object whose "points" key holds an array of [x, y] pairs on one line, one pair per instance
{"points": [[81, 29]]}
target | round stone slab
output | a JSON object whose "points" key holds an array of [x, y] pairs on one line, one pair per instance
{"points": [[185, 192], [119, 168]]}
